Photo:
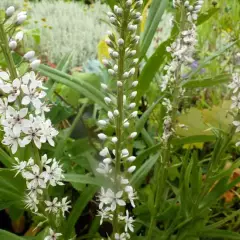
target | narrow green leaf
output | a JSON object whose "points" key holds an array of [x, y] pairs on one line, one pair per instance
{"points": [[77, 83], [145, 116], [142, 172], [154, 17], [87, 194], [151, 67], [203, 17], [5, 158], [4, 235], [79, 178], [220, 234], [209, 59], [208, 82]]}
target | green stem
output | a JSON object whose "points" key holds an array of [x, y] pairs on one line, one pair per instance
{"points": [[165, 156], [119, 120], [7, 52]]}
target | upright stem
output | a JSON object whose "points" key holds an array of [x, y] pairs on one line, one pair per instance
{"points": [[7, 53], [119, 120], [165, 156]]}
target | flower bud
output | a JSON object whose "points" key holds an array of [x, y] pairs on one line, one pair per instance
{"points": [[102, 136], [131, 159], [29, 55], [104, 152], [110, 115], [135, 83], [126, 75], [128, 189], [35, 63], [133, 94], [102, 122], [19, 36], [10, 11], [120, 41], [116, 112], [132, 71], [131, 169], [107, 160], [125, 153], [106, 63], [186, 3], [119, 84], [114, 139], [109, 43], [132, 105], [126, 124], [111, 72], [21, 17], [128, 3], [133, 135], [115, 68], [115, 54], [12, 44], [134, 114], [190, 7], [107, 100], [104, 86]]}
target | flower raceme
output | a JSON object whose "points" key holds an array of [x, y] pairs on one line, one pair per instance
{"points": [[22, 110], [117, 160]]}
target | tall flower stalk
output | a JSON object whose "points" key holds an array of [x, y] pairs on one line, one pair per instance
{"points": [[23, 122], [117, 163], [181, 53]]}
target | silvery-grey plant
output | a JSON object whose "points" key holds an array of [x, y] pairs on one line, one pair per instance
{"points": [[65, 27]]}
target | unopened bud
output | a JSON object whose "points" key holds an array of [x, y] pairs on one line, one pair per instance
{"points": [[10, 11], [13, 44]]}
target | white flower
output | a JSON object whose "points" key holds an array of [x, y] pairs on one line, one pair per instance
{"points": [[32, 94], [12, 44], [114, 199], [4, 76], [48, 132], [13, 90], [53, 174], [104, 152], [235, 84], [132, 196], [12, 140], [16, 119], [237, 124], [131, 169], [19, 166], [31, 202], [52, 235], [236, 101], [128, 222], [105, 214], [64, 206], [35, 177], [3, 105], [52, 206], [33, 191], [33, 132], [104, 169], [21, 17], [122, 236]]}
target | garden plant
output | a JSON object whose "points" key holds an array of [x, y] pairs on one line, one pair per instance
{"points": [[136, 137]]}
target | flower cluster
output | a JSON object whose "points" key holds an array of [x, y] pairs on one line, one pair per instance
{"points": [[117, 159], [38, 179], [22, 112], [181, 52], [23, 121], [235, 86]]}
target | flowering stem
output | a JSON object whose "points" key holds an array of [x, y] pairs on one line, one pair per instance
{"points": [[119, 119], [161, 171], [7, 53]]}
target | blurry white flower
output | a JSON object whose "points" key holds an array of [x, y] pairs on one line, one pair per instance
{"points": [[52, 235]]}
